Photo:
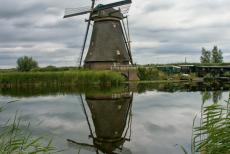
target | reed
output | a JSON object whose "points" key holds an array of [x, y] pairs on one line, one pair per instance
{"points": [[14, 140], [79, 77], [212, 136]]}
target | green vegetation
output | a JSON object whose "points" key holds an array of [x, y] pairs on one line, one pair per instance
{"points": [[227, 74], [215, 56], [206, 56], [153, 73], [80, 77], [212, 136], [196, 64], [150, 73], [51, 68], [14, 140], [25, 64]]}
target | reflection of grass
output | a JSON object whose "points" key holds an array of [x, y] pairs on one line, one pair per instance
{"points": [[14, 140], [213, 134]]}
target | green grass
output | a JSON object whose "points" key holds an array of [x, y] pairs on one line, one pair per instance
{"points": [[78, 77]]}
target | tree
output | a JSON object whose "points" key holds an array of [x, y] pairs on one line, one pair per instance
{"points": [[25, 64], [217, 55], [205, 57]]}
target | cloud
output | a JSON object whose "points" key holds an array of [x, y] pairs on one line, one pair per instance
{"points": [[160, 30]]}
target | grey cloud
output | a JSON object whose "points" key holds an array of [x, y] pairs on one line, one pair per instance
{"points": [[157, 128], [27, 25], [9, 11], [159, 7]]}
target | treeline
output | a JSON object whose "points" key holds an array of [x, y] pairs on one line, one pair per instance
{"points": [[215, 56]]}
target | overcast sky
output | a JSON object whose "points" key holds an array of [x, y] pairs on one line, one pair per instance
{"points": [[162, 31]]}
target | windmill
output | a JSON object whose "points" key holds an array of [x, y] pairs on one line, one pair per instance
{"points": [[110, 40], [109, 124]]}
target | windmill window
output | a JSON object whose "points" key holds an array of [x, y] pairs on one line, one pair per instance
{"points": [[118, 52], [114, 25], [119, 107]]}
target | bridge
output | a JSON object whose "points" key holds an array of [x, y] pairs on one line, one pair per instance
{"points": [[128, 71]]}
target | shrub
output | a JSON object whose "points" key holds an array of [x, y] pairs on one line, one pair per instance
{"points": [[25, 64], [149, 73], [227, 74]]}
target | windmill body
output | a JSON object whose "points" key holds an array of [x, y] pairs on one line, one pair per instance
{"points": [[107, 45], [109, 41]]}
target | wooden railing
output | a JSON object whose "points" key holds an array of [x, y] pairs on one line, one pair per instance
{"points": [[123, 67]]}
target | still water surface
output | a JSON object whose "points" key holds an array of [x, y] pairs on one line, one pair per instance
{"points": [[150, 122]]}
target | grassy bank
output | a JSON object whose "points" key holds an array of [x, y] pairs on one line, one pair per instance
{"points": [[77, 77]]}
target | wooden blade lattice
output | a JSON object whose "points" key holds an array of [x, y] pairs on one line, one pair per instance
{"points": [[69, 12]]}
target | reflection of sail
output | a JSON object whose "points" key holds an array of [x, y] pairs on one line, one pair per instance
{"points": [[111, 117]]}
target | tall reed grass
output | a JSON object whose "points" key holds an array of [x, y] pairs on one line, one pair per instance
{"points": [[13, 140], [212, 136], [79, 77]]}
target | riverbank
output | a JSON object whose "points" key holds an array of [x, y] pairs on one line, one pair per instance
{"points": [[77, 77], [82, 78]]}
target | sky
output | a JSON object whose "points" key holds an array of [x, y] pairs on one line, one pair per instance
{"points": [[162, 31]]}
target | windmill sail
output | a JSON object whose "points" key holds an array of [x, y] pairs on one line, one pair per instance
{"points": [[70, 12], [112, 5]]}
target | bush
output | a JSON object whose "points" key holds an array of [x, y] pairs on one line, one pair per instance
{"points": [[148, 74], [25, 64], [227, 74]]}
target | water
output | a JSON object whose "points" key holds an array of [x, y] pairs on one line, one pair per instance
{"points": [[157, 118]]}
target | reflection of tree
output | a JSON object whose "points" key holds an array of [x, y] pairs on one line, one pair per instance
{"points": [[206, 95], [215, 95]]}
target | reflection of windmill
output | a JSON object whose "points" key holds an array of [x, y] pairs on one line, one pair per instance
{"points": [[111, 116], [110, 41]]}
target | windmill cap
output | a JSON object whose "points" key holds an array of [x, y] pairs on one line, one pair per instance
{"points": [[111, 13]]}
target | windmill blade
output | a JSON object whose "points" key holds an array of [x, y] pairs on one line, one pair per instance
{"points": [[124, 150], [70, 12], [113, 5], [129, 40], [86, 34], [78, 145], [124, 8], [84, 43]]}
